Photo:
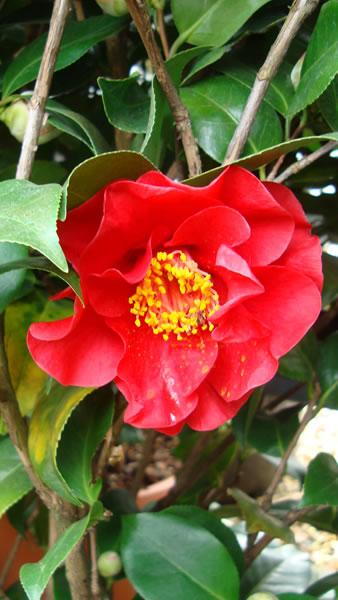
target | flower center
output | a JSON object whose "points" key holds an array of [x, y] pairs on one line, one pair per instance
{"points": [[174, 297]]}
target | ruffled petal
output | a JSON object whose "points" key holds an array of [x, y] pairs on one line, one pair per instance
{"points": [[80, 350], [304, 255], [271, 226], [205, 231], [80, 227], [286, 198], [289, 306], [161, 376], [212, 410]]}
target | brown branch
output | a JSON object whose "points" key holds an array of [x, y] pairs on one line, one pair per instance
{"points": [[305, 162], [162, 32], [299, 11], [139, 13], [266, 500], [41, 89], [78, 9], [94, 580], [10, 558], [144, 461], [272, 174]]}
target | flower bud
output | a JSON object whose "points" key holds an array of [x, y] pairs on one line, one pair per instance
{"points": [[116, 8], [262, 596], [109, 564], [15, 116]]}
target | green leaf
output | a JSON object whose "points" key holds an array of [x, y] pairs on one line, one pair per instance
{"points": [[215, 106], [328, 104], [330, 270], [11, 283], [268, 434], [28, 214], [126, 103], [78, 37], [204, 61], [321, 59], [295, 597], [320, 587], [209, 521], [43, 171], [321, 481], [45, 430], [327, 369], [42, 264], [14, 481], [77, 125], [35, 576], [81, 436], [211, 22], [299, 363], [93, 174], [279, 569], [258, 520], [280, 91], [159, 548], [259, 159], [27, 378]]}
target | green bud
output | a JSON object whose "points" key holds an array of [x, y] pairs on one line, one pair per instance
{"points": [[116, 8], [109, 564], [15, 116], [262, 596], [158, 4]]}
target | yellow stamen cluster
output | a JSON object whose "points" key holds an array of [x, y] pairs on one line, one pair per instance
{"points": [[174, 297]]}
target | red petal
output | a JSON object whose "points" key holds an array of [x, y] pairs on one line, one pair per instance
{"points": [[161, 377], [212, 410], [289, 307], [80, 227], [304, 254], [238, 325], [289, 202], [208, 229], [80, 350], [271, 226]]}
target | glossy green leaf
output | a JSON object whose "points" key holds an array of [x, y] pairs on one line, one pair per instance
{"points": [[28, 214], [78, 37], [279, 569], [91, 175], [45, 430], [321, 59], [327, 369], [209, 521], [27, 378], [215, 106], [43, 171], [159, 548], [295, 597], [160, 128], [258, 159], [280, 91], [14, 481], [299, 363], [35, 576], [81, 436], [77, 125], [42, 264], [328, 104], [320, 587], [12, 282], [204, 61], [211, 22], [258, 520], [321, 481], [268, 434], [126, 103]]}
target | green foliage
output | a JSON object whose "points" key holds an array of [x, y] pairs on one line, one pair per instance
{"points": [[35, 576], [14, 481], [126, 103], [12, 284], [163, 547], [328, 371], [321, 481], [28, 216]]}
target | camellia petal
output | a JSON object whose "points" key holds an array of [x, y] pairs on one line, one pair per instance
{"points": [[80, 350], [212, 410]]}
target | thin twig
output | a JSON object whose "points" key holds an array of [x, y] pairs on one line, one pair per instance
{"points": [[41, 89], [94, 581], [162, 32], [9, 559], [299, 11], [272, 174], [78, 9], [144, 461], [305, 162], [309, 413], [139, 13]]}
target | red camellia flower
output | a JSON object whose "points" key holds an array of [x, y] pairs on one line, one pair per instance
{"points": [[191, 295]]}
